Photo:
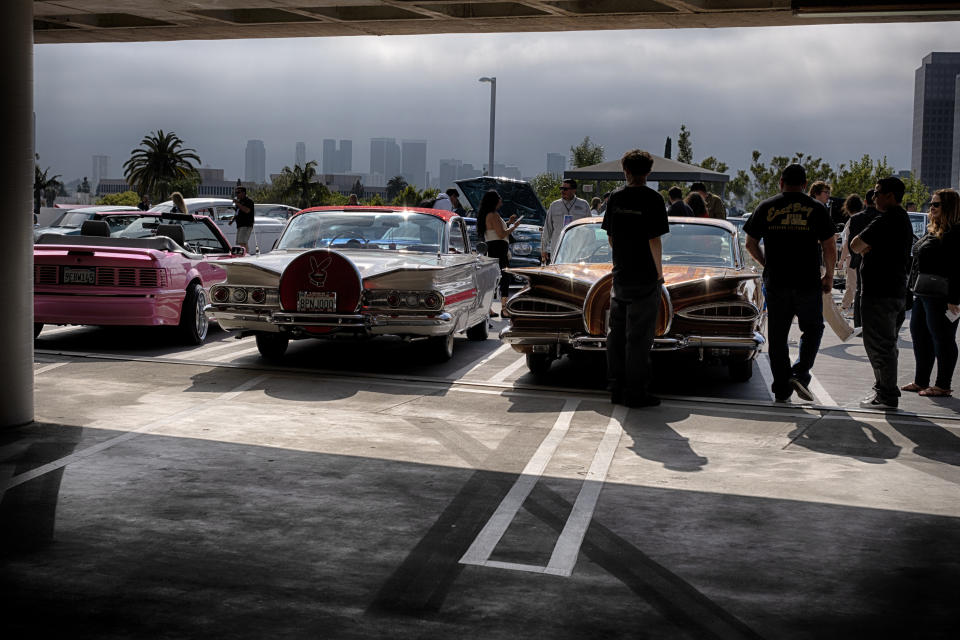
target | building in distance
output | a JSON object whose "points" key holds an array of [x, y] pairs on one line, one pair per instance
{"points": [[556, 163], [255, 162], [300, 156], [935, 158]]}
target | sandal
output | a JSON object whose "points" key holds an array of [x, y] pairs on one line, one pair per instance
{"points": [[935, 392], [913, 386]]}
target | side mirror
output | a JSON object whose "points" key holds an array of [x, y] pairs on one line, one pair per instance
{"points": [[238, 251]]}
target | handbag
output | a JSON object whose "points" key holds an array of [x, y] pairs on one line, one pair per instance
{"points": [[930, 285]]}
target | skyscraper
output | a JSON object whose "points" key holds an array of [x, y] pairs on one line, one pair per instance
{"points": [[936, 114], [101, 170], [449, 171], [414, 162], [556, 163], [337, 160], [256, 162], [301, 156], [384, 157]]}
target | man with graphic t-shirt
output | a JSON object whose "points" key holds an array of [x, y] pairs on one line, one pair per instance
{"points": [[793, 227], [635, 218], [885, 246]]}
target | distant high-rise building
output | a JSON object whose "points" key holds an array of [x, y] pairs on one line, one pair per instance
{"points": [[301, 156], [101, 170], [556, 164], [414, 162], [936, 121], [337, 160], [256, 162], [449, 171], [385, 157]]}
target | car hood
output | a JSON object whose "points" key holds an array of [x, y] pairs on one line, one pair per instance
{"points": [[589, 273], [266, 267], [518, 197]]}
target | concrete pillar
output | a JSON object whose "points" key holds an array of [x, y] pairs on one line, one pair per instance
{"points": [[16, 185]]}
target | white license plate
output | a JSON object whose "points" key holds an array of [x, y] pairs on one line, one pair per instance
{"points": [[82, 275], [317, 301]]}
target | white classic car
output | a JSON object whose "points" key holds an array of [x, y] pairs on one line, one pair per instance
{"points": [[266, 229], [361, 272]]}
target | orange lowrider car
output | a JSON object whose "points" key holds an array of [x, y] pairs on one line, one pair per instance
{"points": [[711, 303]]}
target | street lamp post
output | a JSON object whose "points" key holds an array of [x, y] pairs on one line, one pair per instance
{"points": [[493, 113]]}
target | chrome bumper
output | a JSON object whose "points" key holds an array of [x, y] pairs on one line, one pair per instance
{"points": [[372, 323], [585, 342]]}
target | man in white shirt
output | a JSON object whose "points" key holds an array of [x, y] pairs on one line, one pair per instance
{"points": [[561, 213]]}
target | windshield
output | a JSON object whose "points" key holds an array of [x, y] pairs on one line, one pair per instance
{"points": [[73, 219], [693, 244], [400, 231]]}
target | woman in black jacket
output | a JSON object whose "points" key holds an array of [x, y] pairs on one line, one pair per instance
{"points": [[933, 333]]}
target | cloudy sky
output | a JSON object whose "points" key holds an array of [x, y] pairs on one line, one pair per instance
{"points": [[836, 92]]}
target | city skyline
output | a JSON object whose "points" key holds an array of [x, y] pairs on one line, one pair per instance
{"points": [[735, 89]]}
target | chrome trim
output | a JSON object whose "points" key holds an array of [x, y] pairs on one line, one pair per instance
{"points": [[574, 310], [586, 342], [344, 321], [666, 293], [689, 311]]}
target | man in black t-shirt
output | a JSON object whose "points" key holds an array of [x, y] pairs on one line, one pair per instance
{"points": [[794, 227], [634, 220], [885, 246], [244, 217]]}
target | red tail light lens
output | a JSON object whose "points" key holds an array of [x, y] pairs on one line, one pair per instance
{"points": [[258, 296], [220, 294]]}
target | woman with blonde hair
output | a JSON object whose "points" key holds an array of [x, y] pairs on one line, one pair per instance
{"points": [[178, 202], [933, 319]]}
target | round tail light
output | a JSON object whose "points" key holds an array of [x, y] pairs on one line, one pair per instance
{"points": [[393, 300], [239, 295], [258, 296], [220, 294], [432, 301], [412, 300]]}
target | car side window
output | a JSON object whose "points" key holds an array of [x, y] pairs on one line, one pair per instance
{"points": [[224, 213], [458, 237], [198, 236]]}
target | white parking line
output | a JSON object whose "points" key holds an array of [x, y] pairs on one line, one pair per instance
{"points": [[485, 542], [473, 366], [106, 444], [233, 354], [820, 393], [763, 364], [55, 365], [207, 348], [509, 370], [47, 329]]}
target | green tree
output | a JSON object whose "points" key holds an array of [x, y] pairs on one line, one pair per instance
{"points": [[684, 145], [547, 188], [765, 178], [127, 198], [409, 197], [668, 148], [376, 201], [160, 161], [916, 192], [301, 188], [273, 192], [585, 154], [43, 185], [395, 185], [712, 164]]}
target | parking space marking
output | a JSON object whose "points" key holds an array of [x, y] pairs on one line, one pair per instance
{"points": [[207, 348], [14, 481], [820, 393], [234, 354], [51, 329], [763, 364], [564, 557], [471, 367], [488, 538], [55, 365], [509, 370]]}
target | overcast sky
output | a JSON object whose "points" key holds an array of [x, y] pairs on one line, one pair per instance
{"points": [[836, 92]]}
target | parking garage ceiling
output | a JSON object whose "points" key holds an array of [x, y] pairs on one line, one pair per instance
{"points": [[145, 20]]}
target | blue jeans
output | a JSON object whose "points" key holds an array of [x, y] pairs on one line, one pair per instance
{"points": [[881, 323], [934, 338], [783, 305], [633, 325]]}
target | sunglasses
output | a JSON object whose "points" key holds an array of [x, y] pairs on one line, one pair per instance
{"points": [[566, 189], [934, 204]]}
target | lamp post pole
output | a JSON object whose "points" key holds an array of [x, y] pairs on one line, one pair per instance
{"points": [[493, 114]]}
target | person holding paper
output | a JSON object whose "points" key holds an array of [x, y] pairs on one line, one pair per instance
{"points": [[933, 320]]}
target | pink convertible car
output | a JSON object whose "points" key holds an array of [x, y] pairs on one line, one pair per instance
{"points": [[156, 271]]}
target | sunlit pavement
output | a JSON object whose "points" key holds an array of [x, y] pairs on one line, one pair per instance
{"points": [[356, 492]]}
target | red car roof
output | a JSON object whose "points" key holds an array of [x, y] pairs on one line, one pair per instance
{"points": [[437, 213]]}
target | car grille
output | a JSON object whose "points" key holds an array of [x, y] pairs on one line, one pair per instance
{"points": [[46, 274], [737, 311], [541, 307]]}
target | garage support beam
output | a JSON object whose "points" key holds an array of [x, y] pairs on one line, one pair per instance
{"points": [[16, 186]]}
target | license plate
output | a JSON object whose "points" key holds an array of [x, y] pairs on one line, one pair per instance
{"points": [[317, 301], [81, 275]]}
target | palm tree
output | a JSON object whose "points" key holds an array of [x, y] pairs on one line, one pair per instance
{"points": [[395, 185], [300, 185], [160, 161], [43, 185]]}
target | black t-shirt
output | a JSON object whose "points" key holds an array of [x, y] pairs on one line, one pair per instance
{"points": [[244, 219], [883, 272], [680, 208], [792, 225], [859, 222], [634, 216]]}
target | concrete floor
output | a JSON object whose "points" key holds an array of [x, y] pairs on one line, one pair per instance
{"points": [[166, 500]]}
